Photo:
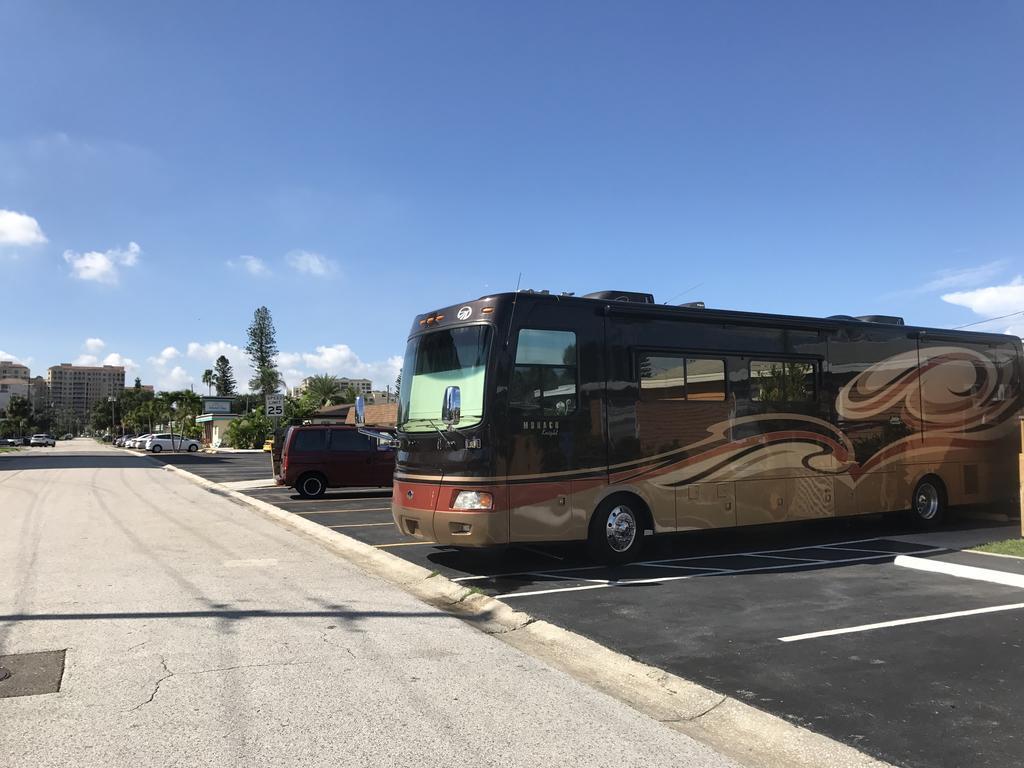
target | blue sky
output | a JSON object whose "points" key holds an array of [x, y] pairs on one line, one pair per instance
{"points": [[167, 168]]}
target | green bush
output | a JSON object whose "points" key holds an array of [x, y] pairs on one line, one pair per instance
{"points": [[249, 431]]}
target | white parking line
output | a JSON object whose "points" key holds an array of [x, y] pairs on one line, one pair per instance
{"points": [[961, 571], [831, 545], [337, 511], [902, 622], [665, 579]]}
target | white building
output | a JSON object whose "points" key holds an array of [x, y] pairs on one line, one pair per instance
{"points": [[359, 386], [14, 382]]}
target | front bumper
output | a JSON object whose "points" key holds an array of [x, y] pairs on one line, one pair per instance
{"points": [[423, 510]]}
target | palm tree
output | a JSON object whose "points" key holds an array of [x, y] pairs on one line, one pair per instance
{"points": [[209, 380], [324, 389]]}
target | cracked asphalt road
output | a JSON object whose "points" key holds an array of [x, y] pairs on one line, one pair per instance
{"points": [[202, 634]]}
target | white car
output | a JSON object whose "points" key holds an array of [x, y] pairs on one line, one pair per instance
{"points": [[43, 440], [167, 442], [137, 442]]}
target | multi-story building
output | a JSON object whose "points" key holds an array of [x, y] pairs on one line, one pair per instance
{"points": [[75, 388], [14, 382], [359, 386], [12, 370], [38, 393]]}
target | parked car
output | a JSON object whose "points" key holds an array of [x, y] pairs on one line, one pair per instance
{"points": [[68, 436], [315, 458], [15, 441], [43, 441], [120, 441], [138, 441], [168, 442], [268, 444]]}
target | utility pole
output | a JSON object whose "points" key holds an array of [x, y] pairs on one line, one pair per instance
{"points": [[113, 426]]}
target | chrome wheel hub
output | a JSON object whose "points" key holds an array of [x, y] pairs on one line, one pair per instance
{"points": [[620, 528], [926, 502]]}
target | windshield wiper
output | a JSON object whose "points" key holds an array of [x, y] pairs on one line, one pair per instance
{"points": [[444, 437]]}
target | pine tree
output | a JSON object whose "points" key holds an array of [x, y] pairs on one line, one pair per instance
{"points": [[223, 377], [262, 350]]}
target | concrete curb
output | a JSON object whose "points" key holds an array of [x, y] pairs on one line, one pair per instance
{"points": [[730, 726]]}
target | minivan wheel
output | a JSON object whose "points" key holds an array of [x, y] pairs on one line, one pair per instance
{"points": [[617, 530], [311, 486], [928, 504]]}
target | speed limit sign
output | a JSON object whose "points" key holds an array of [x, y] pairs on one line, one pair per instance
{"points": [[275, 405]]}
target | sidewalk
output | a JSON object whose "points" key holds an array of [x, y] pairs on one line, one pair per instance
{"points": [[199, 633]]}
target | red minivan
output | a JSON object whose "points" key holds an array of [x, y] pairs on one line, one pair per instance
{"points": [[317, 457]]}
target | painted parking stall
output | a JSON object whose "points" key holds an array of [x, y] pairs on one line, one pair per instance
{"points": [[816, 623]]}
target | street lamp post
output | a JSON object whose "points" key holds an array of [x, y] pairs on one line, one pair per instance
{"points": [[113, 426]]}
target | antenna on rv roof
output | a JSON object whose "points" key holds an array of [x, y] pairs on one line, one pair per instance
{"points": [[990, 320], [512, 314], [683, 293]]}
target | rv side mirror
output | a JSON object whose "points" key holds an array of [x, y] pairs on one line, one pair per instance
{"points": [[360, 411], [451, 408]]}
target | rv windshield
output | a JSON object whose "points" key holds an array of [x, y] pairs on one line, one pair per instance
{"points": [[452, 357]]}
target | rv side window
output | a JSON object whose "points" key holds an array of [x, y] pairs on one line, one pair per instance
{"points": [[677, 377], [781, 381], [544, 377]]}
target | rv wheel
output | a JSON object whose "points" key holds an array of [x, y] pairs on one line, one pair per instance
{"points": [[617, 530], [928, 505]]}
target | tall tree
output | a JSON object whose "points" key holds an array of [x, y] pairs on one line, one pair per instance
{"points": [[138, 383], [208, 379], [223, 377], [323, 389], [262, 351]]}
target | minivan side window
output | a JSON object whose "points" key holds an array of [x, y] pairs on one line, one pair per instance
{"points": [[310, 440], [349, 440]]}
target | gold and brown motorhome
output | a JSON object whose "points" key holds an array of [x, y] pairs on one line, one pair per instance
{"points": [[531, 417]]}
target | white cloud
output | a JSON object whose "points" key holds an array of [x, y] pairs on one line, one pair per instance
{"points": [[115, 359], [311, 263], [211, 350], [252, 264], [94, 344], [112, 359], [1017, 329], [166, 355], [968, 277], [19, 229], [340, 360], [176, 378], [993, 300], [102, 267], [15, 358]]}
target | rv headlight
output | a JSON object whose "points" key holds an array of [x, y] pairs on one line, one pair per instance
{"points": [[473, 500]]}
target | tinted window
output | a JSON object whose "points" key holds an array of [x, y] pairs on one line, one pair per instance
{"points": [[310, 440], [779, 381], [676, 377], [349, 440], [544, 378]]}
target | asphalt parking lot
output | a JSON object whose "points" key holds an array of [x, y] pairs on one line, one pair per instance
{"points": [[831, 624]]}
